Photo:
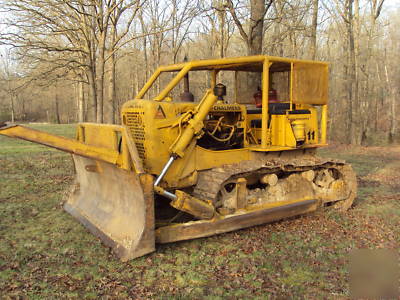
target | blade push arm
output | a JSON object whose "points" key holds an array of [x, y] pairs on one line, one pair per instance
{"points": [[59, 142], [87, 143]]}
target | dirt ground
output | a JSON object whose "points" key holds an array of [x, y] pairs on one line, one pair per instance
{"points": [[45, 253]]}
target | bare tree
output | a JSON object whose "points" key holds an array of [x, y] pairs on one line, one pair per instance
{"points": [[56, 33], [119, 37], [314, 25], [8, 77], [254, 35], [182, 16], [71, 35], [218, 25]]}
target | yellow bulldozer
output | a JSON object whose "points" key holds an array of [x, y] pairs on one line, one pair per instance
{"points": [[185, 166]]}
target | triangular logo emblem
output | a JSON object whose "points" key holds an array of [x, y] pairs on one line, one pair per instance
{"points": [[160, 113]]}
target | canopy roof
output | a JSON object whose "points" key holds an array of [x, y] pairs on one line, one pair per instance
{"points": [[244, 63]]}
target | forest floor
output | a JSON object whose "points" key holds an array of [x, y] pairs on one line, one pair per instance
{"points": [[45, 253]]}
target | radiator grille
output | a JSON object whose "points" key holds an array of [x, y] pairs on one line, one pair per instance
{"points": [[134, 120]]}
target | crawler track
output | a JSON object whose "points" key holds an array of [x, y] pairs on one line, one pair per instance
{"points": [[211, 182]]}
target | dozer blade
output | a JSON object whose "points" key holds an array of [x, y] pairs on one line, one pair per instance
{"points": [[115, 205], [111, 196]]}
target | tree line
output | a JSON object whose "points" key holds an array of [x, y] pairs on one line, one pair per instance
{"points": [[79, 60]]}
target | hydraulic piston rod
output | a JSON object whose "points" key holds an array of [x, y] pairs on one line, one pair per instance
{"points": [[194, 126], [161, 176]]}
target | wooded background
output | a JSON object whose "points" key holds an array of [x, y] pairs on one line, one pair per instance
{"points": [[68, 61]]}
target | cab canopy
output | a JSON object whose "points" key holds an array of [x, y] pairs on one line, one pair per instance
{"points": [[297, 81]]}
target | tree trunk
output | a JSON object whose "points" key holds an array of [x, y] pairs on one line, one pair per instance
{"points": [[255, 41], [145, 56], [372, 78], [358, 116], [378, 99], [110, 104], [221, 20], [255, 37], [92, 93], [392, 114], [81, 102], [146, 61], [392, 131], [12, 108], [352, 89], [135, 81], [313, 42], [23, 110], [100, 78], [56, 107], [11, 95]]}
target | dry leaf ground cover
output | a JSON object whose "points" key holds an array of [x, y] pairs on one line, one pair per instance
{"points": [[45, 253]]}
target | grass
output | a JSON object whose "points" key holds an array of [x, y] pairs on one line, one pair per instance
{"points": [[45, 253]]}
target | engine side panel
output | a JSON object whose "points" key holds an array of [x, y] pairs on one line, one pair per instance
{"points": [[155, 126]]}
